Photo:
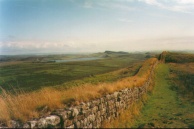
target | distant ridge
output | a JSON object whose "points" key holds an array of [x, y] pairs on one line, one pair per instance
{"points": [[114, 52]]}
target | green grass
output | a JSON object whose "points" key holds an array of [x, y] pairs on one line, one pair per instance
{"points": [[31, 76], [105, 77], [179, 57], [182, 76], [164, 108]]}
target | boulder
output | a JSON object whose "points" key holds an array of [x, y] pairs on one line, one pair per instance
{"points": [[14, 124], [33, 124], [53, 120], [42, 123], [50, 121], [26, 125], [74, 112]]}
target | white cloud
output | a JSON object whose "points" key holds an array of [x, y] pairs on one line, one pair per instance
{"points": [[185, 1], [152, 2], [117, 5], [31, 45], [186, 6], [109, 4]]}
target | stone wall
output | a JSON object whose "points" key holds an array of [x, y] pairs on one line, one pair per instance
{"points": [[90, 114]]}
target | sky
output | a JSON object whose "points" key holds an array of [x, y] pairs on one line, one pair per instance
{"points": [[74, 26]]}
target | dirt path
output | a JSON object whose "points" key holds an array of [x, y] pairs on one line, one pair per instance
{"points": [[164, 108]]}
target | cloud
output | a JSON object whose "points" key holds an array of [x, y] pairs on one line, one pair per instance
{"points": [[185, 1], [30, 45], [26, 47], [117, 5], [185, 6], [109, 4]]}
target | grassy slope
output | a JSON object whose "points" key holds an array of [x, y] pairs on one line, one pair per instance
{"points": [[24, 106], [30, 76], [182, 76], [179, 57], [164, 108]]}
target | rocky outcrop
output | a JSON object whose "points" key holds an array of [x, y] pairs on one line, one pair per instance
{"points": [[89, 114]]}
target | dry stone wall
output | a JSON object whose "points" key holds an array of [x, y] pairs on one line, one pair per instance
{"points": [[90, 114]]}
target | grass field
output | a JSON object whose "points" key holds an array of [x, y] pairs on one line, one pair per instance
{"points": [[165, 108], [30, 75]]}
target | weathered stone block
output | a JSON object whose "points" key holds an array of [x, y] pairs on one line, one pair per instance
{"points": [[94, 124], [95, 109], [68, 114], [42, 123], [81, 124], [85, 122], [100, 106], [91, 118], [98, 114], [90, 126], [80, 117], [26, 125], [53, 120], [103, 111], [74, 112], [87, 112], [77, 124], [33, 124], [96, 102], [71, 126], [88, 104], [108, 97], [68, 123], [60, 112], [101, 100], [14, 124]]}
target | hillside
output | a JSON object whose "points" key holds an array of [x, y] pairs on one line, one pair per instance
{"points": [[137, 96], [171, 104], [34, 72], [24, 106]]}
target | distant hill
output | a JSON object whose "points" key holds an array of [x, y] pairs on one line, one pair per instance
{"points": [[114, 52]]}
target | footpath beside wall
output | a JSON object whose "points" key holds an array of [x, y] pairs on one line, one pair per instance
{"points": [[90, 114]]}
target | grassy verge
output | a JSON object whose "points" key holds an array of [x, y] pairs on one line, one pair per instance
{"points": [[164, 108], [28, 105]]}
